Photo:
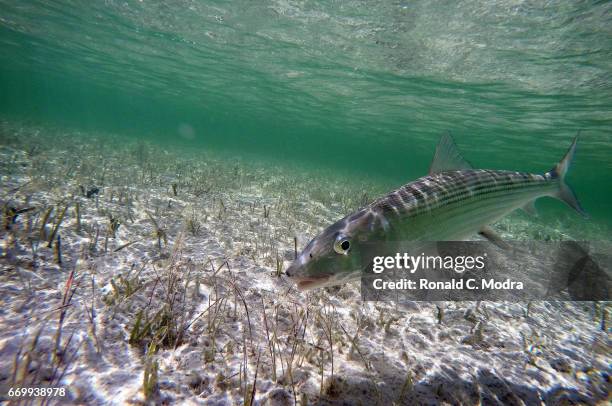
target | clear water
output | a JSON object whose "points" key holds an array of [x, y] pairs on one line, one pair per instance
{"points": [[357, 87]]}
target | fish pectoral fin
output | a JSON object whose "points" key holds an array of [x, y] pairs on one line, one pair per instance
{"points": [[491, 235], [530, 208], [447, 157]]}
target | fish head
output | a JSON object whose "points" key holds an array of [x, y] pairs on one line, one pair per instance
{"points": [[333, 257]]}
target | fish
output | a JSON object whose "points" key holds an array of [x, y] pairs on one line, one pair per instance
{"points": [[452, 202]]}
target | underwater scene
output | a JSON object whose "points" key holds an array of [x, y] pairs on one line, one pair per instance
{"points": [[305, 203]]}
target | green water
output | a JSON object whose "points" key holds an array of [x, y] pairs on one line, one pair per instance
{"points": [[354, 87]]}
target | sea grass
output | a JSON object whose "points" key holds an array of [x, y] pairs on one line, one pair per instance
{"points": [[56, 226], [58, 250], [77, 214], [45, 218]]}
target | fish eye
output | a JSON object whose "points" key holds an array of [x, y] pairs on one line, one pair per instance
{"points": [[342, 245]]}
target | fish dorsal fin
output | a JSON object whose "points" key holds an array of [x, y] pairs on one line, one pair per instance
{"points": [[447, 157]]}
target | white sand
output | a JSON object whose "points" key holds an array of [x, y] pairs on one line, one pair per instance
{"points": [[216, 273]]}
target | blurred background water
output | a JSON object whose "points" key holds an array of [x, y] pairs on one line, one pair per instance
{"points": [[358, 87]]}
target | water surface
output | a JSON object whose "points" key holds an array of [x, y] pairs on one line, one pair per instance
{"points": [[359, 87]]}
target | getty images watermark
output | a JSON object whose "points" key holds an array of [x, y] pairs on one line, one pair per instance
{"points": [[479, 270]]}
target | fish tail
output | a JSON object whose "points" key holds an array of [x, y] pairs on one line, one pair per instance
{"points": [[565, 192]]}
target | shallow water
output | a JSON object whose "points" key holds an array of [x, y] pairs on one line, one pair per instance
{"points": [[197, 236], [357, 87], [161, 163]]}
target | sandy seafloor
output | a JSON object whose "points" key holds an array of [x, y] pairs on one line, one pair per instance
{"points": [[195, 299]]}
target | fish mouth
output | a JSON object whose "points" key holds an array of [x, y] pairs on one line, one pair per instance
{"points": [[312, 282], [307, 283]]}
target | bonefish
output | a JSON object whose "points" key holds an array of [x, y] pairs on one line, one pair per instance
{"points": [[453, 202]]}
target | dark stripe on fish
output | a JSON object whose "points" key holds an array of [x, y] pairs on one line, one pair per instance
{"points": [[437, 190]]}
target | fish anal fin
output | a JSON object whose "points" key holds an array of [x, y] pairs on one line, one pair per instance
{"points": [[447, 157], [530, 208], [492, 236]]}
